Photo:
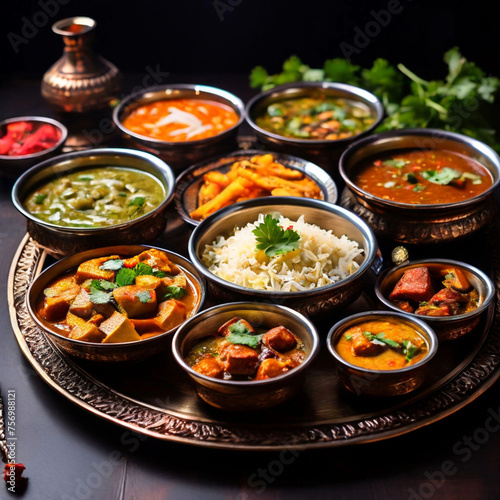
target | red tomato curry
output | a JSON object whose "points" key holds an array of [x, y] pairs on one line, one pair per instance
{"points": [[425, 177]]}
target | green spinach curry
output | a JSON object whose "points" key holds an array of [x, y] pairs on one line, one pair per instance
{"points": [[96, 197]]}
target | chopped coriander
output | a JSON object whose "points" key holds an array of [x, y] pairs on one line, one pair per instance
{"points": [[112, 265], [380, 339], [409, 349], [443, 176], [175, 292], [39, 198], [138, 201], [248, 339], [125, 277], [143, 269], [144, 296]]}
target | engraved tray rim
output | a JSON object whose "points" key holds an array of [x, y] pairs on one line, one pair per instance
{"points": [[84, 390]]}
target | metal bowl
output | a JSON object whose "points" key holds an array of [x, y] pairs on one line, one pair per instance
{"points": [[117, 352], [246, 395], [14, 166], [325, 215], [324, 152], [447, 327], [381, 383], [189, 182], [61, 241], [180, 154], [419, 224]]}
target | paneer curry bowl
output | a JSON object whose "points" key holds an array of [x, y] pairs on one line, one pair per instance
{"points": [[449, 295], [118, 303], [244, 355]]}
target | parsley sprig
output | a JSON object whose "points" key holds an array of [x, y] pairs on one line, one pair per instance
{"points": [[273, 239]]}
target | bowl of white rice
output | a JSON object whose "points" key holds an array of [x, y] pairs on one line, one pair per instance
{"points": [[308, 254]]}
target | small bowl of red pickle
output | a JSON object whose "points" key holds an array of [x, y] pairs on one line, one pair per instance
{"points": [[27, 140]]}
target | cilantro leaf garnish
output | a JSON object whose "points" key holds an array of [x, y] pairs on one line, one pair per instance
{"points": [[39, 198], [125, 277], [99, 296], [243, 338], [175, 292], [144, 296], [138, 201], [273, 239], [409, 349], [238, 327], [102, 285], [112, 265], [443, 176], [394, 163], [159, 274], [380, 339], [142, 269]]}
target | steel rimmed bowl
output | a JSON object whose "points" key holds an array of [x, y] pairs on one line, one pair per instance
{"points": [[447, 327], [14, 166], [60, 241], [180, 154], [189, 181], [381, 383], [246, 395], [325, 215], [325, 152], [411, 223], [108, 352]]}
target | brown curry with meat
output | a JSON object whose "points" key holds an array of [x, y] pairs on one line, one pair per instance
{"points": [[113, 299], [237, 351], [435, 291]]}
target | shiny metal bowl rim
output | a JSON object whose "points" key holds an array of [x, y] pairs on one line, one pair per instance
{"points": [[38, 154], [369, 253], [168, 174], [385, 137], [99, 345], [183, 331], [367, 315], [235, 102], [357, 93], [488, 298]]}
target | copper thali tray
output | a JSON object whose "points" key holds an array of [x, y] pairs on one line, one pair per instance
{"points": [[155, 398]]}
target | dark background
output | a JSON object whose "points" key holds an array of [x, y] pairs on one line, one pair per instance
{"points": [[232, 36]]}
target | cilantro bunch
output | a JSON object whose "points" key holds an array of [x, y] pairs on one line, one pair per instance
{"points": [[460, 102]]}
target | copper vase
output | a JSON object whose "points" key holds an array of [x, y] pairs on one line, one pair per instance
{"points": [[80, 80]]}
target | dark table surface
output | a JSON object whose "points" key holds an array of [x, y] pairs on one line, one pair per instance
{"points": [[72, 454]]}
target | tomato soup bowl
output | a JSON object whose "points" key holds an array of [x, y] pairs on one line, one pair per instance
{"points": [[369, 382], [322, 151], [107, 353], [181, 154], [424, 223], [13, 166], [312, 301], [446, 327], [246, 395], [60, 241]]}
